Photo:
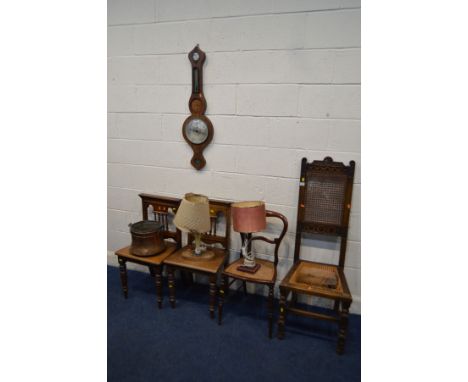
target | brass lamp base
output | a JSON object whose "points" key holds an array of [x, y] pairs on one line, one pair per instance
{"points": [[189, 253], [244, 268]]}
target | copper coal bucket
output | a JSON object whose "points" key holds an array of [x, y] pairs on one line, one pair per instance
{"points": [[147, 238]]}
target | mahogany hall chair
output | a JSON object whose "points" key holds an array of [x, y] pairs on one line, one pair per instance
{"points": [[325, 191], [164, 209], [219, 243]]}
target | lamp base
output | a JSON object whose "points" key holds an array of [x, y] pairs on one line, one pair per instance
{"points": [[253, 269], [189, 253]]}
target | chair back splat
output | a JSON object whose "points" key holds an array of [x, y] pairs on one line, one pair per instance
{"points": [[325, 192], [220, 216], [164, 210]]}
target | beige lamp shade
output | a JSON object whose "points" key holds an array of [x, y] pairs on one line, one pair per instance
{"points": [[193, 214], [249, 216]]}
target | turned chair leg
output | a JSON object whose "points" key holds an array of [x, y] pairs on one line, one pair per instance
{"points": [[343, 327], [212, 295], [123, 276], [158, 280], [171, 281], [222, 293], [270, 310], [282, 315]]}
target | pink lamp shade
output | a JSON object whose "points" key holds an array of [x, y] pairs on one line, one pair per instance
{"points": [[248, 217]]}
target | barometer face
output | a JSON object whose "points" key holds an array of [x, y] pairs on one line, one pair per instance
{"points": [[196, 131]]}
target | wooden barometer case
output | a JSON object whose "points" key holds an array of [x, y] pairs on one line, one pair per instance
{"points": [[197, 129]]}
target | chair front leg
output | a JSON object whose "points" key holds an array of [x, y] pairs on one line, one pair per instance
{"points": [[171, 281], [123, 276], [212, 295], [270, 310], [222, 293], [282, 314], [343, 327], [158, 280]]}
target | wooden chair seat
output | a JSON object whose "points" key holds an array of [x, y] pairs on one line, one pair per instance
{"points": [[266, 274], [150, 260], [323, 280], [210, 266]]}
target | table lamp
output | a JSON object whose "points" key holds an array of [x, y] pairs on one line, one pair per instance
{"points": [[193, 216], [248, 217]]}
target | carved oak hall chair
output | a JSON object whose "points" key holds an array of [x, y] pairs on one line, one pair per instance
{"points": [[164, 209], [266, 275], [324, 206], [219, 244]]}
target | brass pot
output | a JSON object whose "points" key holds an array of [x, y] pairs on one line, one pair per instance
{"points": [[147, 238]]}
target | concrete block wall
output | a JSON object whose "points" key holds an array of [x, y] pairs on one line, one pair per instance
{"points": [[282, 81]]}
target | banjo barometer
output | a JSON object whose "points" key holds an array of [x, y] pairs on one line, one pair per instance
{"points": [[197, 129]]}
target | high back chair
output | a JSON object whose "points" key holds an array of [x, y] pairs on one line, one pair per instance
{"points": [[265, 276], [163, 211], [325, 191], [219, 242]]}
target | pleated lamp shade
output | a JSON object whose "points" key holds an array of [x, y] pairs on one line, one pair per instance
{"points": [[248, 217], [193, 214]]}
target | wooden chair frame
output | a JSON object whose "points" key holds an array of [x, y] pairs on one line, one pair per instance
{"points": [[217, 207], [251, 278], [161, 206], [315, 170]]}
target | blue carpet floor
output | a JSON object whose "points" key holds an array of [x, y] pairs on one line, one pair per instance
{"points": [[184, 344]]}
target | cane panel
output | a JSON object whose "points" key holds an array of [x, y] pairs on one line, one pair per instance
{"points": [[324, 199]]}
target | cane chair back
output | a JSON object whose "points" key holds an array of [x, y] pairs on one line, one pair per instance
{"points": [[324, 205]]}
